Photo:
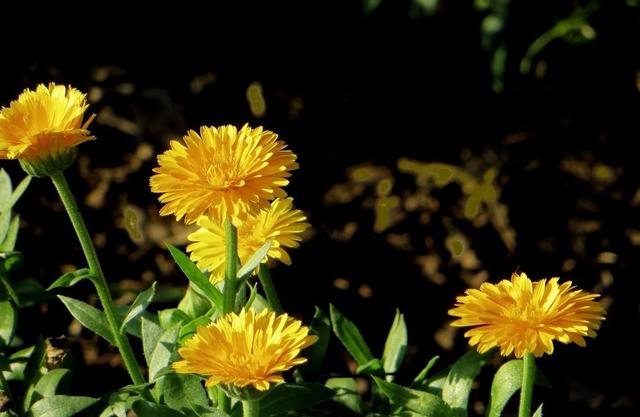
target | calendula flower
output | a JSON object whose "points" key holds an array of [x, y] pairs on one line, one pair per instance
{"points": [[520, 316], [248, 349], [280, 223], [42, 127], [222, 172]]}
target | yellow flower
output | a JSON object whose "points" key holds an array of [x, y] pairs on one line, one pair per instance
{"points": [[520, 316], [245, 349], [280, 222], [42, 127], [222, 172]]}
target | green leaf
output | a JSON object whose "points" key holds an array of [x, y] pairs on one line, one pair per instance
{"points": [[193, 304], [538, 412], [293, 397], [5, 191], [350, 336], [34, 363], [139, 305], [395, 346], [151, 333], [172, 317], [20, 189], [373, 367], [506, 382], [89, 316], [208, 411], [254, 261], [30, 291], [11, 235], [417, 401], [48, 385], [321, 327], [163, 353], [5, 221], [181, 392], [190, 328], [61, 406], [457, 387], [8, 319], [144, 408], [347, 394], [196, 276], [425, 371], [12, 260], [70, 278]]}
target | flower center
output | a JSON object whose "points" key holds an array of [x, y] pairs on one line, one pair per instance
{"points": [[525, 314], [224, 174]]}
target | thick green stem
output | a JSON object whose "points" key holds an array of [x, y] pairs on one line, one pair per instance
{"points": [[229, 293], [98, 278], [224, 402], [526, 391], [250, 408], [269, 289]]}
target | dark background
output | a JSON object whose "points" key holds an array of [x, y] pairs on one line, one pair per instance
{"points": [[350, 83]]}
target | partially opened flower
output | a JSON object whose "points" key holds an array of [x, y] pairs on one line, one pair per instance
{"points": [[247, 349], [521, 316], [222, 172], [42, 127], [280, 223]]}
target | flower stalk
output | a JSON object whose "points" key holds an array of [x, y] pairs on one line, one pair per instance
{"points": [[526, 391], [269, 288], [97, 276], [250, 408], [229, 293]]}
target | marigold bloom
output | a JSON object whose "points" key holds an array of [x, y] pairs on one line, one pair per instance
{"points": [[222, 172], [245, 349], [42, 127], [280, 222], [520, 316]]}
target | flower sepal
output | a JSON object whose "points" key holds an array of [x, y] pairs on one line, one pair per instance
{"points": [[47, 165], [247, 393]]}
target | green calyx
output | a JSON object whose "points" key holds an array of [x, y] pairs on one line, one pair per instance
{"points": [[45, 166]]}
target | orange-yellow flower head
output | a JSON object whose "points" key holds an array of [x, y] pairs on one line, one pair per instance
{"points": [[222, 172], [280, 223], [42, 127], [248, 349], [520, 316]]}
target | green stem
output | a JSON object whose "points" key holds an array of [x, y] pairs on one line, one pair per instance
{"points": [[250, 408], [269, 289], [224, 402], [526, 391], [229, 292], [98, 278]]}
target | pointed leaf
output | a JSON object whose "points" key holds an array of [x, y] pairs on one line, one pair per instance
{"points": [[19, 190], [61, 406], [417, 401], [163, 353], [89, 316], [506, 382], [172, 317], [350, 336], [425, 371], [11, 236], [70, 279], [395, 346], [196, 276], [321, 327], [151, 333], [181, 392], [254, 261], [293, 397], [347, 393], [5, 191], [5, 221], [193, 304], [48, 385], [139, 305], [538, 412], [8, 319], [457, 387], [144, 408]]}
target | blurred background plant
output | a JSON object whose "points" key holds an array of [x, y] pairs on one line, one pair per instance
{"points": [[442, 144]]}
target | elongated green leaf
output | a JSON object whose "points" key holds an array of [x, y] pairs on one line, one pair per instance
{"points": [[350, 336], [11, 236], [70, 279], [417, 401], [48, 385], [457, 387], [187, 330], [538, 412], [181, 392], [151, 333], [5, 191], [8, 319], [425, 371], [5, 221], [250, 266], [347, 394], [19, 190], [34, 363], [396, 346], [506, 382], [61, 406], [373, 367], [172, 317], [139, 305], [321, 327], [144, 408], [196, 276], [163, 353], [89, 316], [193, 304], [293, 397]]}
